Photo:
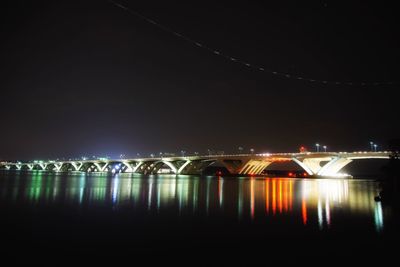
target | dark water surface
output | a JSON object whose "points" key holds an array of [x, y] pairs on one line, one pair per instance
{"points": [[245, 219]]}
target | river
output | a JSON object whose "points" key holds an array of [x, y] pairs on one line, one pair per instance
{"points": [[132, 213]]}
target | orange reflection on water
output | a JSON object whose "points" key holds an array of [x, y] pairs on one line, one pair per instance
{"points": [[220, 190], [314, 200], [282, 195], [285, 195], [291, 194], [252, 198], [267, 196], [273, 196], [304, 211]]}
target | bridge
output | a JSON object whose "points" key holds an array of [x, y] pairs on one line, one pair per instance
{"points": [[314, 163]]}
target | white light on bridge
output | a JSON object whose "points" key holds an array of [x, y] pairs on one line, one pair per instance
{"points": [[338, 175]]}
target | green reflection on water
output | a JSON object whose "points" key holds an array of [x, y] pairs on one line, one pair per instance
{"points": [[195, 194], [98, 188], [378, 217], [35, 187], [183, 192], [240, 199], [319, 202], [16, 187], [135, 189], [208, 185]]}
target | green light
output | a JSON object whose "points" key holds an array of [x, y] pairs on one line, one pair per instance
{"points": [[36, 186]]}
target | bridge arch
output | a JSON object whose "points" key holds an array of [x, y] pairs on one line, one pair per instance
{"points": [[196, 167], [333, 165], [15, 167], [37, 167], [115, 167], [67, 167], [145, 167], [304, 166], [51, 167], [158, 165]]}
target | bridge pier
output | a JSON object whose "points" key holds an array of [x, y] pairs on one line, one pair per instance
{"points": [[304, 166], [254, 167], [58, 166], [313, 165], [334, 166]]}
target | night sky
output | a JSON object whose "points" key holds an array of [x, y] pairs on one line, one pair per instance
{"points": [[89, 78]]}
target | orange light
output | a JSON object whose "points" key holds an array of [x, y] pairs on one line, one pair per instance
{"points": [[280, 195], [291, 194], [267, 195], [274, 196], [285, 195], [290, 174], [304, 211], [252, 198]]}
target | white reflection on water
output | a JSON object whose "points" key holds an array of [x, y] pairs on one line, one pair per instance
{"points": [[378, 217], [220, 190], [319, 202], [320, 215], [82, 186], [150, 193]]}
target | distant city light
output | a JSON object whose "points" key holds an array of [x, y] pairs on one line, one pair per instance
{"points": [[317, 145]]}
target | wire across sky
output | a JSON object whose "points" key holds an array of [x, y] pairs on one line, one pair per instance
{"points": [[246, 64]]}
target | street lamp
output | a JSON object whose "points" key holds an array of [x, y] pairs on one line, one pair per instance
{"points": [[240, 149], [252, 150], [325, 147], [183, 153], [317, 145], [372, 145], [375, 146]]}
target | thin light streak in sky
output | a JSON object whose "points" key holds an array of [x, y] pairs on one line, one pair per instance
{"points": [[217, 52]]}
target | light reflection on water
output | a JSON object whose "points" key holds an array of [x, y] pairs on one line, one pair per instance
{"points": [[308, 202]]}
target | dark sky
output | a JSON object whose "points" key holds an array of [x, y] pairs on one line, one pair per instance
{"points": [[88, 78]]}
